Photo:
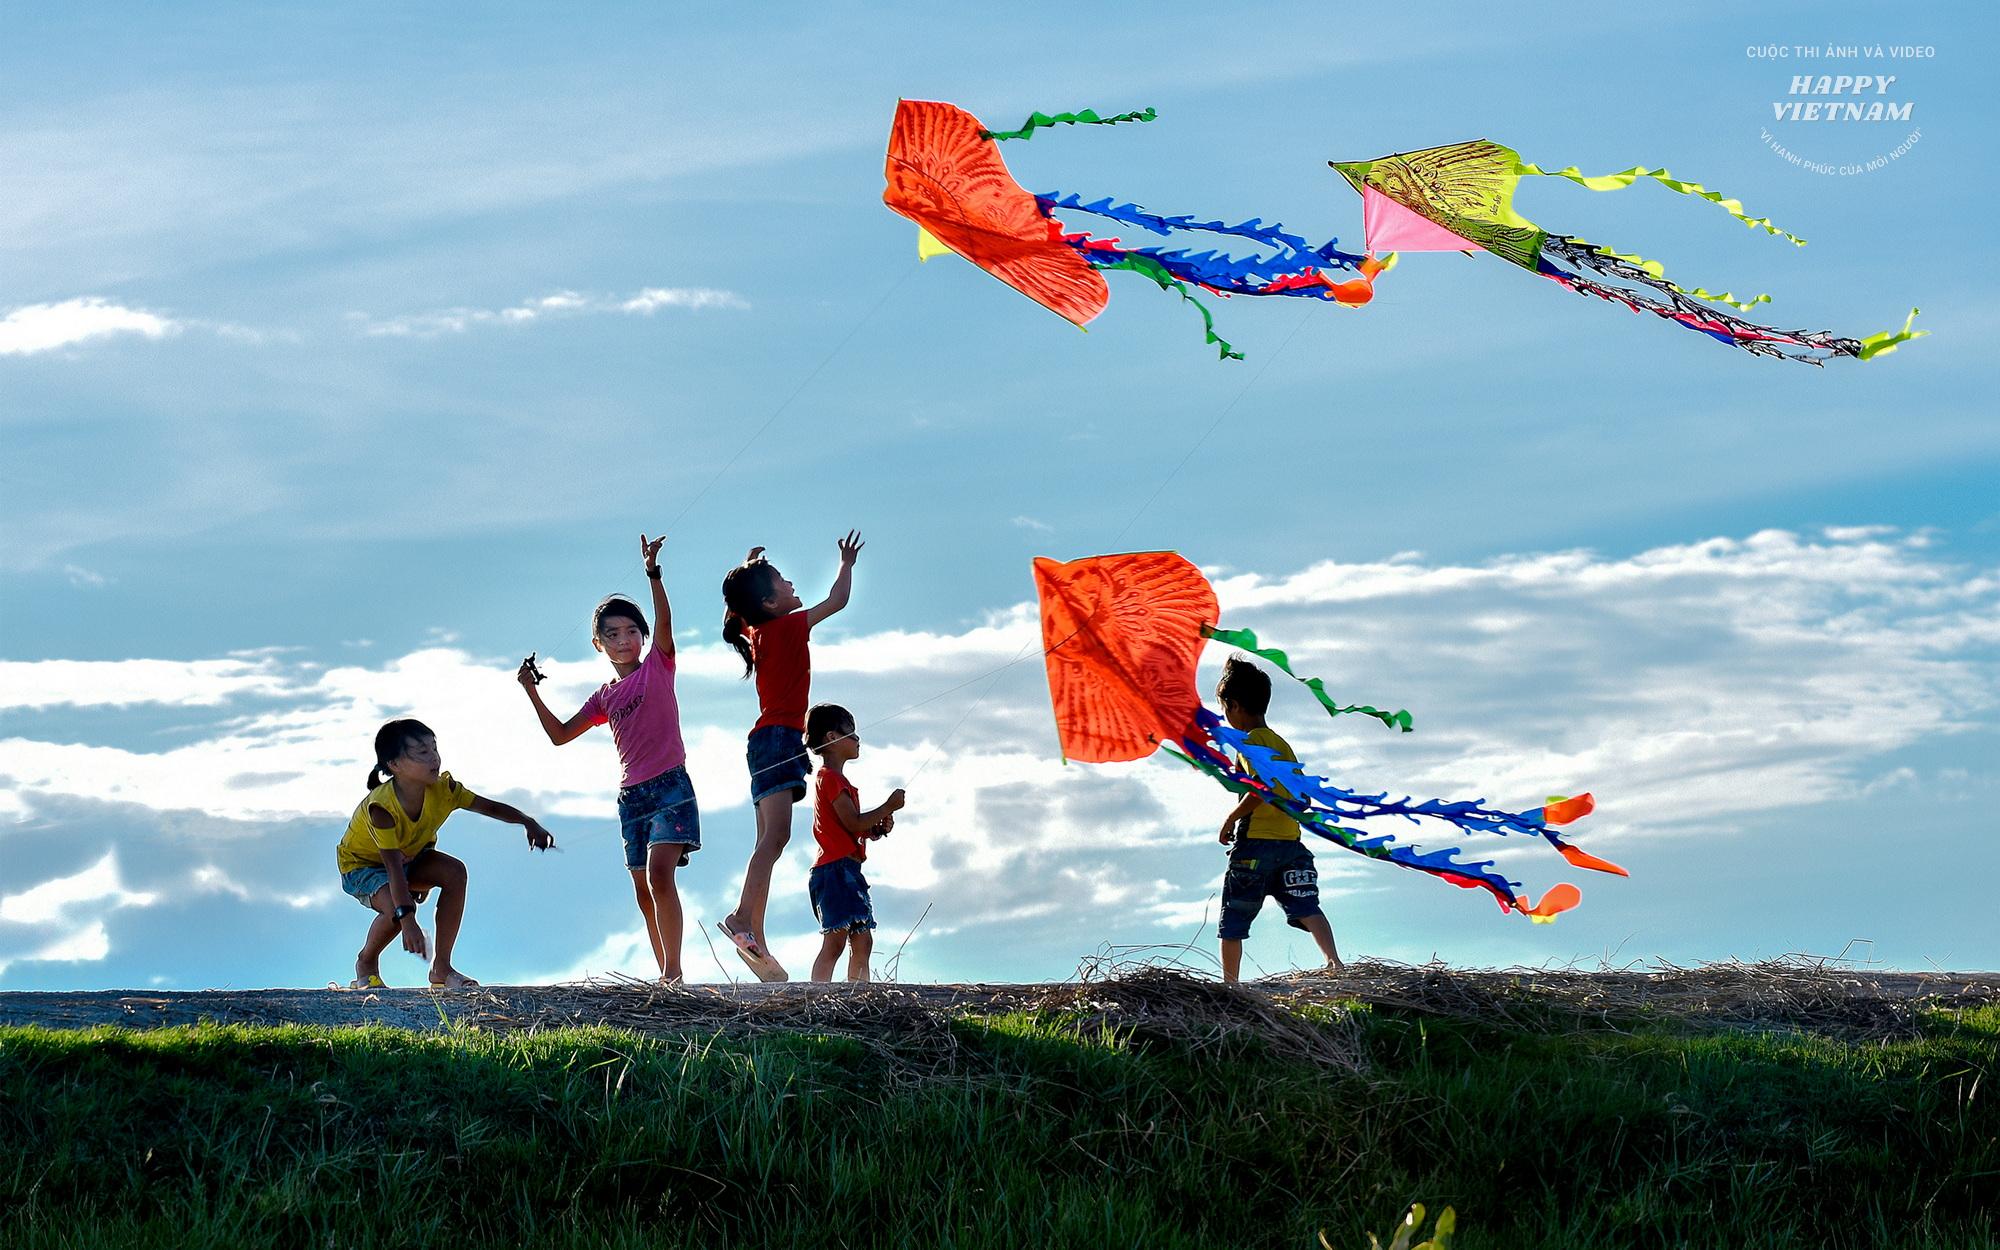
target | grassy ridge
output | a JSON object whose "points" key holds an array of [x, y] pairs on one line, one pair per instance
{"points": [[1035, 1133]]}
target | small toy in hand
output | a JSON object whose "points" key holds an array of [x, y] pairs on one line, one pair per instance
{"points": [[532, 670]]}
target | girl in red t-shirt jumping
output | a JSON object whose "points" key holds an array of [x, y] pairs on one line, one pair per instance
{"points": [[769, 624]]}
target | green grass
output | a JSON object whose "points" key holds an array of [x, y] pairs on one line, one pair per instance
{"points": [[1036, 1134]]}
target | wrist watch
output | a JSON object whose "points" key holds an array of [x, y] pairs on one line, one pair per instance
{"points": [[405, 911], [654, 572]]}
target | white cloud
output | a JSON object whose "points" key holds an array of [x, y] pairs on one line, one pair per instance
{"points": [[1030, 523], [62, 920], [51, 900], [46, 327], [654, 298], [83, 578], [561, 304], [124, 683]]}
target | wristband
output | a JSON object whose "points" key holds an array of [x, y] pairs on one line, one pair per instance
{"points": [[404, 912], [653, 573]]}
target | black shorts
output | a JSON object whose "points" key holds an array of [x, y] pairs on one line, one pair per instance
{"points": [[1261, 868]]}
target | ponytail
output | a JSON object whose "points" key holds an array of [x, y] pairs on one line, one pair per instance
{"points": [[744, 591], [391, 740], [732, 633]]}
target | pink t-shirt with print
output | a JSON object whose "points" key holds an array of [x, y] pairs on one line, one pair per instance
{"points": [[644, 716]]}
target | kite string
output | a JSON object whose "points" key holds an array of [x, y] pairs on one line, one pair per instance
{"points": [[854, 329], [1032, 643], [798, 390], [1212, 426]]}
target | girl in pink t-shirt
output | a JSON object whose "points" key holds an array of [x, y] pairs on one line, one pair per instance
{"points": [[768, 624], [656, 805]]}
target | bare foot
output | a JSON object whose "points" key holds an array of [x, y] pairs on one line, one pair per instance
{"points": [[451, 979]]}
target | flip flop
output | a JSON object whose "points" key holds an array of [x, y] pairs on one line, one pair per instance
{"points": [[464, 983], [765, 967], [374, 983]]}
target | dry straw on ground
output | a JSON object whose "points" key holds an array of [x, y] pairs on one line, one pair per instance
{"points": [[1301, 1015]]}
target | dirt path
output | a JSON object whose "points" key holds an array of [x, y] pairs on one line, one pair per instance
{"points": [[1722, 994]]}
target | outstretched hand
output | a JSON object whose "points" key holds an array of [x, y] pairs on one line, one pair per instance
{"points": [[529, 674], [540, 838], [850, 546], [650, 549]]}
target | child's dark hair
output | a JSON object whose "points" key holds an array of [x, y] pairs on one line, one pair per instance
{"points": [[743, 593], [618, 605], [391, 740], [1245, 685], [824, 723]]}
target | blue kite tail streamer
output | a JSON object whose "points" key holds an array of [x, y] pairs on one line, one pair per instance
{"points": [[1205, 757], [1325, 255]]}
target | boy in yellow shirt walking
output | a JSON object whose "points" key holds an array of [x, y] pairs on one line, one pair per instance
{"points": [[1268, 859]]}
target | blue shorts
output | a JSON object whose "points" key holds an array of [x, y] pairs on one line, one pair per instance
{"points": [[1261, 868], [660, 810], [839, 896], [777, 762], [362, 883]]}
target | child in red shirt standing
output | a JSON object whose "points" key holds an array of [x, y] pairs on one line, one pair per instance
{"points": [[769, 624], [839, 892]]}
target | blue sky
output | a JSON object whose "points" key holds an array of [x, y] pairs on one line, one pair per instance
{"points": [[346, 353]]}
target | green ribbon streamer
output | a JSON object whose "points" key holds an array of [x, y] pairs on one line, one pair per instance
{"points": [[1889, 340], [1157, 272], [1625, 178], [1088, 117], [1245, 640]]}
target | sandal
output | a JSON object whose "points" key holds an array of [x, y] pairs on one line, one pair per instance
{"points": [[765, 967], [457, 981], [374, 983]]}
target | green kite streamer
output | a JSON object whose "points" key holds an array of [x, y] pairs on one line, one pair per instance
{"points": [[1889, 340], [1246, 640], [1087, 117], [1157, 272], [1625, 178]]}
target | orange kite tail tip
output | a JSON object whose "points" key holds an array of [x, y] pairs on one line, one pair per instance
{"points": [[1353, 292], [1563, 811], [1559, 899], [1583, 859]]}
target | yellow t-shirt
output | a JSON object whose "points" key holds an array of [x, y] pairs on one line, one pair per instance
{"points": [[363, 843], [1267, 822]]}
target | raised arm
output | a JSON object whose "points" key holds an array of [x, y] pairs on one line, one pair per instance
{"points": [[858, 822], [843, 582], [663, 617], [538, 837], [559, 731]]}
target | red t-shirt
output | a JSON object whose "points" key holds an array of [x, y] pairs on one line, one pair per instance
{"points": [[835, 842], [784, 670]]}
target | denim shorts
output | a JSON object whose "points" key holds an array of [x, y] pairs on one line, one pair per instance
{"points": [[660, 810], [1261, 868], [777, 762], [839, 896], [362, 883]]}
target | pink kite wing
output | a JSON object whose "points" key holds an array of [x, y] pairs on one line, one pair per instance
{"points": [[1121, 636], [945, 174]]}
